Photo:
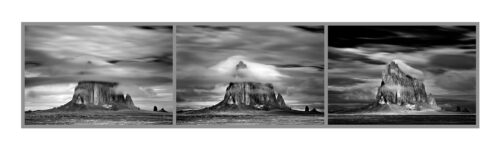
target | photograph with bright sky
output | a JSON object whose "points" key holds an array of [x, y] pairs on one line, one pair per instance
{"points": [[446, 55], [138, 58], [289, 57]]}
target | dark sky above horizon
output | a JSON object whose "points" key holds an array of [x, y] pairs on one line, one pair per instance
{"points": [[289, 57], [139, 58], [357, 56]]}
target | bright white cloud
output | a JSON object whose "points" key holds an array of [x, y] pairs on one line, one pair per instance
{"points": [[120, 42], [48, 96], [254, 71]]}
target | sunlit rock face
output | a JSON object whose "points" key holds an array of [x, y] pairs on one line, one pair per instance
{"points": [[250, 95], [98, 95], [403, 85]]}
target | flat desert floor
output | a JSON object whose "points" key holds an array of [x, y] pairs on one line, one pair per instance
{"points": [[249, 118], [103, 118], [446, 116], [352, 119]]}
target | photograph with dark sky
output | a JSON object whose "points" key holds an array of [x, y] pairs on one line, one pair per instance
{"points": [[136, 59], [290, 58], [361, 58]]}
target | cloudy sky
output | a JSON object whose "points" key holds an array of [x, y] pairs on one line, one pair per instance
{"points": [[289, 57], [358, 54], [139, 58]]}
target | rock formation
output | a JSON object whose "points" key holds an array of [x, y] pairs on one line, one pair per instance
{"points": [[241, 65], [155, 108], [162, 110], [403, 86], [98, 95], [249, 94], [240, 70], [314, 110]]}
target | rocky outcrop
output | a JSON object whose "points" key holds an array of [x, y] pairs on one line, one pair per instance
{"points": [[462, 109], [98, 95], [251, 95], [403, 86], [162, 110], [314, 110], [240, 71], [241, 65]]}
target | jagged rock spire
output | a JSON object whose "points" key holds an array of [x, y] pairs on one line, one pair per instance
{"points": [[240, 73], [403, 85], [241, 65]]}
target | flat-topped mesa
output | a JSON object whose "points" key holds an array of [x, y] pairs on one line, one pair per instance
{"points": [[403, 85], [251, 95], [98, 95]]}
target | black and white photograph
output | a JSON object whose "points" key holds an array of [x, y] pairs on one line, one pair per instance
{"points": [[98, 75], [250, 75], [402, 75]]}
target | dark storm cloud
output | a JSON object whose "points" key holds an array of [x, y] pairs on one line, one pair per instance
{"points": [[310, 86], [344, 81], [192, 95], [193, 81], [29, 64], [314, 29], [37, 81], [180, 99], [457, 81], [38, 58], [190, 58], [354, 69], [357, 56], [293, 53], [388, 48], [219, 28], [409, 36], [436, 71], [268, 41], [346, 56], [454, 61], [139, 58], [167, 29], [319, 67], [470, 52], [165, 59]]}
